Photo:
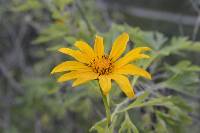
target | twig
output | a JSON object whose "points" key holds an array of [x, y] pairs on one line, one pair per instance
{"points": [[18, 47], [195, 116], [6, 110], [196, 28], [38, 128], [181, 30], [5, 72], [157, 15], [195, 7], [103, 7], [197, 23], [153, 87], [84, 17]]}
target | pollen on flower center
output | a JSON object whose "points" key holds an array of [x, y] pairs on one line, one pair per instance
{"points": [[101, 65]]}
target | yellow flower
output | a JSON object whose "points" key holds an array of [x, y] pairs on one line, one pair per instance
{"points": [[91, 64]]}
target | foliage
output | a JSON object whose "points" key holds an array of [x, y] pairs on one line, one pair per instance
{"points": [[164, 105]]}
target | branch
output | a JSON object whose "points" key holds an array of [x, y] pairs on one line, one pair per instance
{"points": [[84, 16], [5, 72], [38, 127], [158, 87], [197, 23], [156, 15]]}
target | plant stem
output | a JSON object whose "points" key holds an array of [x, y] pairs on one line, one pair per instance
{"points": [[108, 114], [107, 108]]}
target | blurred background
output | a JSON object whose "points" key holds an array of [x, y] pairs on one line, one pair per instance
{"points": [[32, 30]]}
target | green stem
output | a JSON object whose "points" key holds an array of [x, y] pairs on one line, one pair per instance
{"points": [[108, 114], [107, 108]]}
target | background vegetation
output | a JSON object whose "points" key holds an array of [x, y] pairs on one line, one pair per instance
{"points": [[32, 30]]}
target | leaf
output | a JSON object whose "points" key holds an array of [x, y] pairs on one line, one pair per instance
{"points": [[183, 66], [128, 126], [161, 126], [176, 117], [178, 44], [141, 98], [55, 47], [53, 32], [84, 107], [187, 81], [70, 100], [155, 39], [27, 5], [62, 3], [99, 126], [162, 101], [184, 77], [70, 39], [137, 36], [194, 47]]}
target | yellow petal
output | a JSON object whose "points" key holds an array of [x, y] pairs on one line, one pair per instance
{"points": [[72, 75], [68, 65], [133, 70], [79, 56], [141, 49], [85, 48], [119, 46], [124, 84], [105, 84], [133, 55], [68, 76], [99, 46], [85, 77]]}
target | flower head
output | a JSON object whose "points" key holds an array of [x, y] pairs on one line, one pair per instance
{"points": [[91, 64]]}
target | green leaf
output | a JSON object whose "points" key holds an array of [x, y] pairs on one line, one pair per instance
{"points": [[55, 47], [62, 3], [155, 39], [194, 47], [184, 82], [184, 77], [27, 5], [43, 39], [178, 44], [127, 126], [70, 39], [52, 33], [183, 66], [142, 102], [161, 126], [141, 98], [99, 126]]}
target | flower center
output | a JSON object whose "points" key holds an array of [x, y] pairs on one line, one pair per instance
{"points": [[102, 65]]}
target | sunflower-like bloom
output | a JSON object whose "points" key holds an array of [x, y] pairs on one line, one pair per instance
{"points": [[92, 64]]}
